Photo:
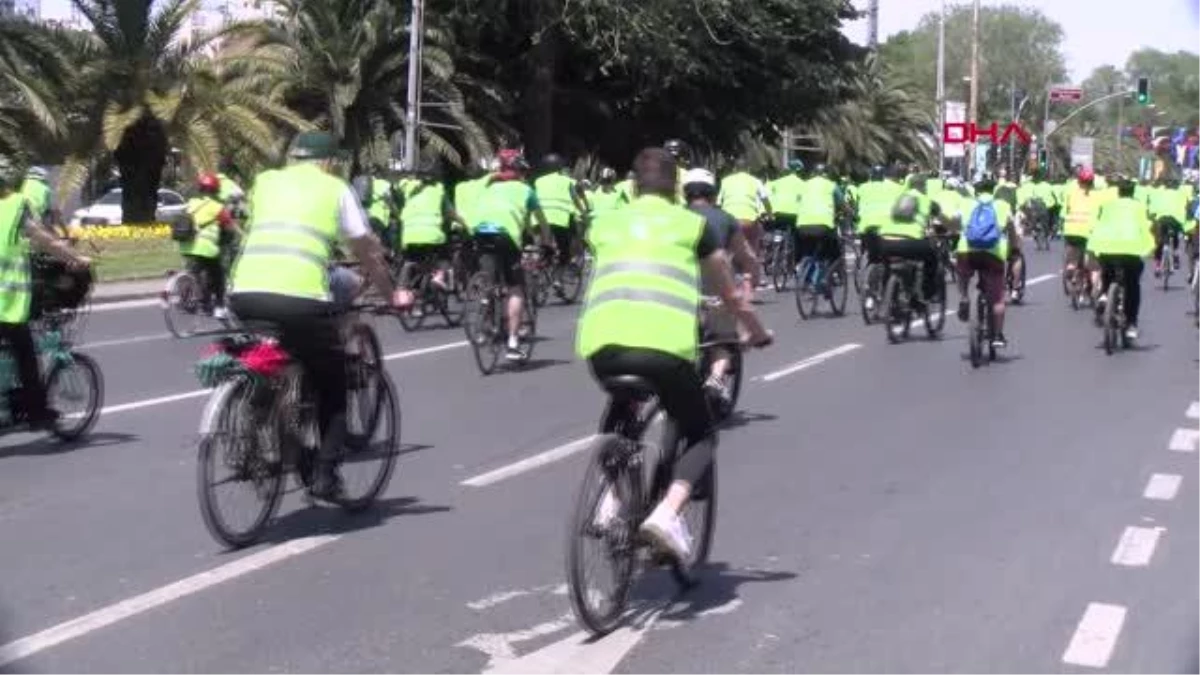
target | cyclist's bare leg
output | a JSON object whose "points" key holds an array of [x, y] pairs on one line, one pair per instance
{"points": [[720, 363], [1093, 267], [516, 305]]}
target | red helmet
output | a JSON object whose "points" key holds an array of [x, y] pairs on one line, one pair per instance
{"points": [[1086, 175], [208, 182], [511, 160]]}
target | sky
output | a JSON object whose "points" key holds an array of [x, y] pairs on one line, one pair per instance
{"points": [[1097, 32]]}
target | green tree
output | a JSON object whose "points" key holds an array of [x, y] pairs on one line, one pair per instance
{"points": [[1019, 47], [139, 87], [32, 71]]}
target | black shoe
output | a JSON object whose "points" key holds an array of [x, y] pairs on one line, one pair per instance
{"points": [[328, 484], [964, 310], [44, 421]]}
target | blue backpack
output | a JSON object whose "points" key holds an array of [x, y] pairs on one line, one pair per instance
{"points": [[983, 230]]}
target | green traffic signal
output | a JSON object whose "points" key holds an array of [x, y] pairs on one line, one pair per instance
{"points": [[1143, 90]]}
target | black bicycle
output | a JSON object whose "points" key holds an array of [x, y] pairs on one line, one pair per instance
{"points": [[816, 279], [446, 299], [904, 298], [485, 320], [982, 329], [1114, 321], [777, 257], [260, 424]]}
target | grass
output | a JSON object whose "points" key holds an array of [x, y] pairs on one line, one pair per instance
{"points": [[127, 259]]}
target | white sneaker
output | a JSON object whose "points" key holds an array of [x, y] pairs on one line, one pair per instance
{"points": [[668, 532], [220, 313], [869, 303], [1131, 333], [607, 509]]}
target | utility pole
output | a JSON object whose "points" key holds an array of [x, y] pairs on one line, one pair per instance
{"points": [[941, 89], [873, 24], [974, 112], [1120, 123], [412, 118]]}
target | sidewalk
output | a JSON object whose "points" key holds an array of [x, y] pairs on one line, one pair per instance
{"points": [[118, 291]]}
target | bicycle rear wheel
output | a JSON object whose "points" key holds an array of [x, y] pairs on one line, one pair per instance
{"points": [[238, 440], [837, 287], [482, 322], [77, 381], [871, 296], [612, 543], [935, 308], [895, 309], [1168, 266], [977, 333], [1113, 318], [371, 453], [570, 282], [700, 514], [181, 305], [807, 296]]}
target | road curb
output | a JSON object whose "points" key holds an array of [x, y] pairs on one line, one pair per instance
{"points": [[124, 297]]}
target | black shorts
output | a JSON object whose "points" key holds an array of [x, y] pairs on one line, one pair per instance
{"points": [[817, 240], [783, 221], [499, 256]]}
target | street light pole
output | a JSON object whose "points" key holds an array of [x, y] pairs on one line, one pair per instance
{"points": [[412, 118], [941, 89], [873, 24], [974, 113]]}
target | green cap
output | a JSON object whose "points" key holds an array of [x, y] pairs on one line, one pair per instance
{"points": [[313, 145]]}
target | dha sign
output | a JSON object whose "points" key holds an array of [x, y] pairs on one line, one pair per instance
{"points": [[955, 133]]}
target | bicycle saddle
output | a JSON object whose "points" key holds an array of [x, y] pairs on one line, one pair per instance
{"points": [[627, 384]]}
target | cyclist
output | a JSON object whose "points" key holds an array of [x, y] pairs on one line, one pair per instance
{"points": [[641, 319], [700, 190], [296, 216], [1081, 206], [19, 227], [815, 233], [558, 196], [682, 152], [606, 196], [467, 192], [745, 197], [1121, 238], [202, 252], [505, 206], [875, 200], [36, 189], [1170, 204], [425, 221], [785, 196], [988, 261], [905, 236]]}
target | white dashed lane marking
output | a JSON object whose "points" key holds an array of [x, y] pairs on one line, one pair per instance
{"points": [[1162, 486], [1194, 410], [1184, 440], [1096, 635], [1136, 546]]}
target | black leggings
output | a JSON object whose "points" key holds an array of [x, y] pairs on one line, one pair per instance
{"points": [[309, 332], [1133, 266], [681, 393], [921, 250], [19, 340], [1165, 225], [817, 240], [211, 273]]}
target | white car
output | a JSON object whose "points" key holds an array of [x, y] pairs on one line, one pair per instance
{"points": [[107, 209]]}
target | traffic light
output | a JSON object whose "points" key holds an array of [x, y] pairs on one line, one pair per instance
{"points": [[1143, 90], [1043, 159]]}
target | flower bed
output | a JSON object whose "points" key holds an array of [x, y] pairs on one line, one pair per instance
{"points": [[128, 251]]}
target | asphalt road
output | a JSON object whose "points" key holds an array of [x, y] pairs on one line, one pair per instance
{"points": [[883, 508]]}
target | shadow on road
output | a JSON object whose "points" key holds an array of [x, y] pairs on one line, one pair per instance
{"points": [[48, 445], [536, 364], [327, 519], [410, 448], [741, 418], [717, 589]]}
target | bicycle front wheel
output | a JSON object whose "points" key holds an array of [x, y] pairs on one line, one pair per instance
{"points": [[807, 296], [837, 287], [605, 537], [181, 305], [700, 514], [570, 282], [1112, 318], [895, 310], [75, 388], [369, 456], [482, 322]]}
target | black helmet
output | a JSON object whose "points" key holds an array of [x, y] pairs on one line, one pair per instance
{"points": [[552, 162], [679, 150], [877, 172]]}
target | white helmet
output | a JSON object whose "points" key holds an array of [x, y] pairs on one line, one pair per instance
{"points": [[702, 176], [37, 172]]}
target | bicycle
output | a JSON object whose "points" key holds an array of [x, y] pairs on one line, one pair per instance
{"points": [[1013, 286], [777, 254], [485, 317], [871, 293], [722, 407], [1115, 321], [431, 298], [70, 376], [1038, 216], [260, 423], [1169, 261], [981, 329], [904, 296], [631, 458], [538, 279], [816, 279], [185, 298], [1077, 286]]}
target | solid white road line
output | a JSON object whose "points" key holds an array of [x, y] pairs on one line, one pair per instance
{"points": [[530, 463], [1136, 546], [809, 362], [1193, 410], [134, 339], [1184, 440], [106, 616], [425, 350], [1096, 635], [1162, 486]]}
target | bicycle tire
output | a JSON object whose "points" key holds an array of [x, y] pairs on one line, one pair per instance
{"points": [[780, 264], [1168, 266], [895, 316], [539, 282], [1112, 318], [95, 396], [1013, 287], [180, 295], [837, 286], [570, 282], [872, 276], [451, 302], [704, 501], [479, 323], [364, 354], [619, 539], [935, 320], [228, 401], [388, 406], [806, 295], [976, 333]]}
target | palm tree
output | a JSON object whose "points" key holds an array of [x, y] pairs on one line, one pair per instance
{"points": [[141, 87], [884, 119], [30, 69], [346, 70]]}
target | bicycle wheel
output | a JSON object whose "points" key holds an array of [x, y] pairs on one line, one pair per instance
{"points": [[1017, 286], [935, 308], [1113, 318], [75, 388], [540, 283], [371, 456], [612, 543], [895, 309], [181, 305], [570, 282], [1168, 266], [451, 302], [364, 359], [860, 266], [234, 437], [870, 300], [700, 514], [481, 322], [781, 265], [837, 288], [976, 333], [807, 296]]}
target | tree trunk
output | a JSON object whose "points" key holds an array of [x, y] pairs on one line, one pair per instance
{"points": [[539, 94], [140, 158]]}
